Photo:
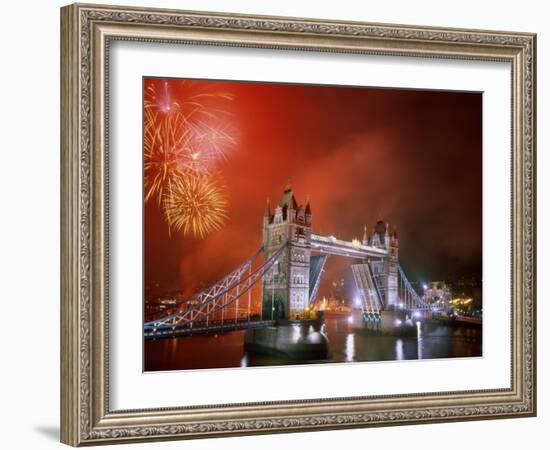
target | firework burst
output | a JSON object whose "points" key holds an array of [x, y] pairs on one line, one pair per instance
{"points": [[193, 100], [186, 135], [214, 140], [195, 205], [207, 146], [166, 144], [160, 99]]}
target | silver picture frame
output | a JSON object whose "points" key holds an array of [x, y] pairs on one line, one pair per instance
{"points": [[86, 34]]}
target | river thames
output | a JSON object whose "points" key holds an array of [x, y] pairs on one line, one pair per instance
{"points": [[346, 343]]}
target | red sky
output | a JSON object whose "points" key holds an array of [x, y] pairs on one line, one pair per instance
{"points": [[411, 157]]}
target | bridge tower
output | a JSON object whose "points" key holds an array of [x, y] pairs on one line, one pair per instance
{"points": [[285, 288], [385, 269]]}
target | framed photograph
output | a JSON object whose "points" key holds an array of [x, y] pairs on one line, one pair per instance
{"points": [[275, 224]]}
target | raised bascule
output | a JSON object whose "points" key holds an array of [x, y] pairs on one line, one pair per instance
{"points": [[290, 286], [289, 266]]}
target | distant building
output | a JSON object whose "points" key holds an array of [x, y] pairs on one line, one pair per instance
{"points": [[437, 292], [468, 288], [338, 290], [333, 304]]}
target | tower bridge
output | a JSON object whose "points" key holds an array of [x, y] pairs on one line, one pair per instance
{"points": [[289, 266]]}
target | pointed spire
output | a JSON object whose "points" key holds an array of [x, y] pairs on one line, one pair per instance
{"points": [[380, 228], [365, 237], [308, 207], [267, 211], [288, 199]]}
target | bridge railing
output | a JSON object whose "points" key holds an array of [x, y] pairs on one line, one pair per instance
{"points": [[222, 298], [412, 299]]}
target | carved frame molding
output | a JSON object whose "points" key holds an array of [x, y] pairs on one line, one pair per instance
{"points": [[86, 31]]}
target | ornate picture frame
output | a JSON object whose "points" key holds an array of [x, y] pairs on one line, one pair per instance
{"points": [[86, 34]]}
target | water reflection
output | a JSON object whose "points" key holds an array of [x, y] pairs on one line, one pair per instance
{"points": [[350, 348], [296, 333], [347, 341], [399, 354], [419, 340]]}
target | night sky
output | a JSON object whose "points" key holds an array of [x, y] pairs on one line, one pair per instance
{"points": [[412, 158]]}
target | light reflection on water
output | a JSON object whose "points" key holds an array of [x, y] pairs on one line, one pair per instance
{"points": [[350, 347], [347, 342], [419, 339], [399, 354], [296, 333]]}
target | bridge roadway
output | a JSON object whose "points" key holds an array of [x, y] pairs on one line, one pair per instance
{"points": [[217, 326], [214, 326], [329, 245]]}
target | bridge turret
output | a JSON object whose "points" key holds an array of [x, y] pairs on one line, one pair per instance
{"points": [[365, 236], [289, 204], [308, 213], [379, 234], [278, 216], [394, 245]]}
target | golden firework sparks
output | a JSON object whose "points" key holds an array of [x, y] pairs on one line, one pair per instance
{"points": [[195, 205], [166, 143], [186, 135]]}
